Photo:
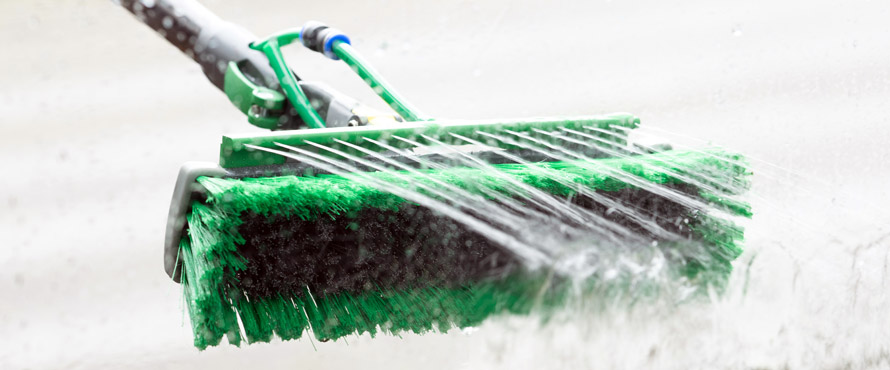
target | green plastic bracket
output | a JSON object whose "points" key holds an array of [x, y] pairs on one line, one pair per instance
{"points": [[234, 153], [263, 106], [271, 46]]}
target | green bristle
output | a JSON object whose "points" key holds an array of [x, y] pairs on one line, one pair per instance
{"points": [[311, 197], [210, 256]]}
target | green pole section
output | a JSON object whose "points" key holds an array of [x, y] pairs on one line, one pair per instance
{"points": [[378, 84], [289, 84]]}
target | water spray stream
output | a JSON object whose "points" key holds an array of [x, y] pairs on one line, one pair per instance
{"points": [[533, 258]]}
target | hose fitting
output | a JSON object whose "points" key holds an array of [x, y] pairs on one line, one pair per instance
{"points": [[319, 37]]}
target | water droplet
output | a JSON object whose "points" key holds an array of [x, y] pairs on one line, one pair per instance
{"points": [[34, 22], [737, 30], [381, 49], [167, 22]]}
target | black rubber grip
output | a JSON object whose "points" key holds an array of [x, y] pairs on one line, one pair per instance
{"points": [[204, 37]]}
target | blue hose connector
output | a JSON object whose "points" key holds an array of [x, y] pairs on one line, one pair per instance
{"points": [[333, 35]]}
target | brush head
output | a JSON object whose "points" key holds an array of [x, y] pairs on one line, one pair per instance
{"points": [[356, 252]]}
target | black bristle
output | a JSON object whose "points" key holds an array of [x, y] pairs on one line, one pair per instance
{"points": [[409, 247]]}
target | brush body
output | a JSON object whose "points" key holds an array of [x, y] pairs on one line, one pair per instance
{"points": [[337, 256]]}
